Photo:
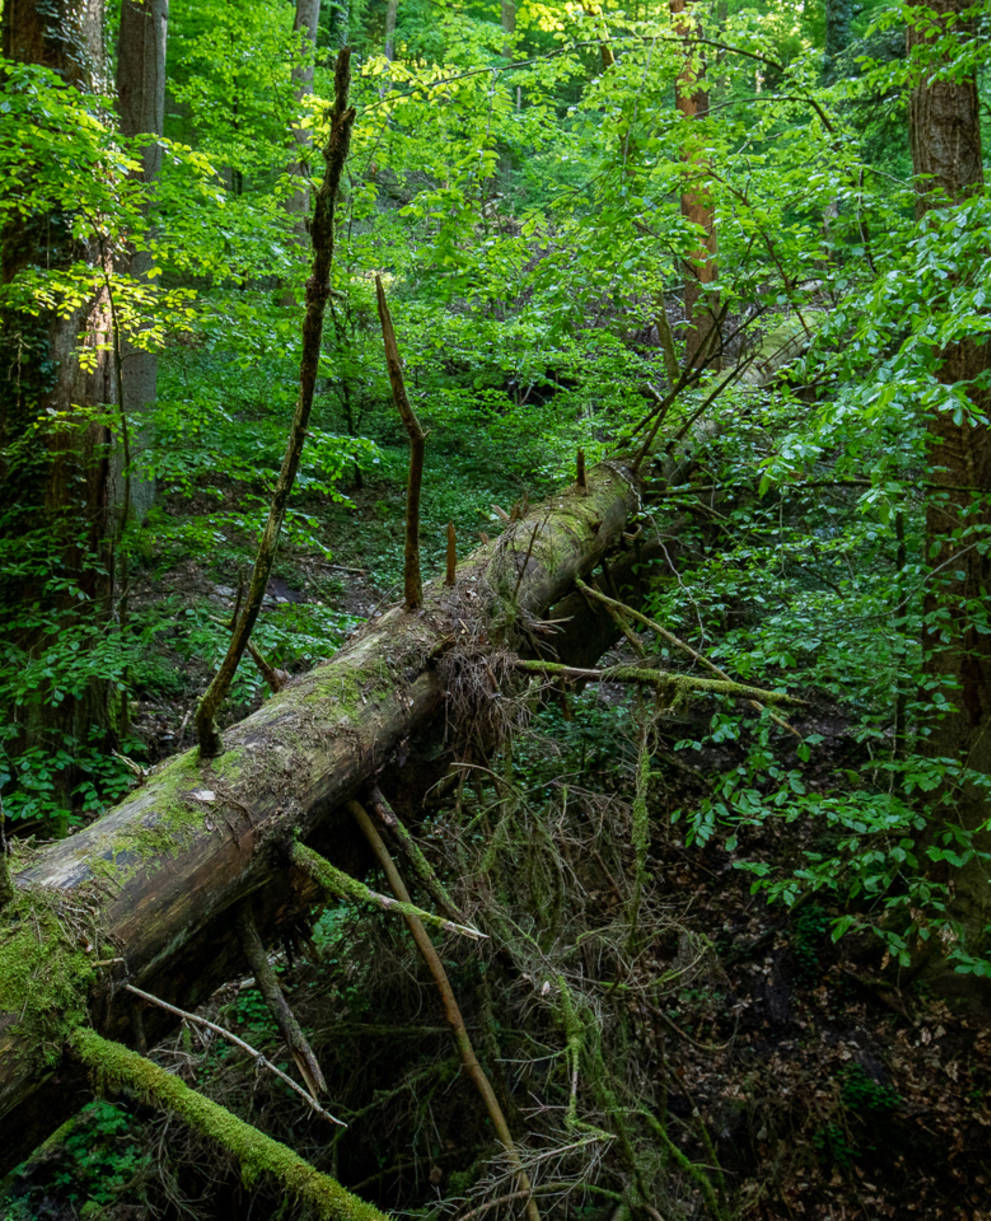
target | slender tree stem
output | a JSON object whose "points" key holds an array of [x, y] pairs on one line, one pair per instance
{"points": [[317, 291], [412, 581]]}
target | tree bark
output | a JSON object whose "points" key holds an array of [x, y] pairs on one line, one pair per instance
{"points": [[305, 28], [151, 885], [391, 15], [946, 154], [692, 101], [141, 110], [838, 18]]}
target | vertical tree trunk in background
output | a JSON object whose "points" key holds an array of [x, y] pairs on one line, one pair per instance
{"points": [[305, 28], [59, 485], [391, 15], [692, 100], [605, 50], [141, 109], [838, 17], [946, 155]]}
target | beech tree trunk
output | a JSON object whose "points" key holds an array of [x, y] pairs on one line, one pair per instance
{"points": [[391, 16], [141, 109], [838, 18], [692, 100], [145, 894], [305, 28], [946, 154]]}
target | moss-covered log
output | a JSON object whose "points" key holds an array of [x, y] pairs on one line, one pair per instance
{"points": [[118, 1069], [144, 894]]}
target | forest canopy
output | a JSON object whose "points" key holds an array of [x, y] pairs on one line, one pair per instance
{"points": [[732, 256]]}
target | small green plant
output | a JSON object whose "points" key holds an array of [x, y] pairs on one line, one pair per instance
{"points": [[850, 1136], [835, 1146], [809, 939], [864, 1095], [98, 1157]]}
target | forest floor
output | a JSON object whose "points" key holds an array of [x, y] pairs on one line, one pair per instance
{"points": [[804, 1078]]}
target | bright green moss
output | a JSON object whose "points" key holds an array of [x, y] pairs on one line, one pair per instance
{"points": [[116, 1067], [45, 972]]}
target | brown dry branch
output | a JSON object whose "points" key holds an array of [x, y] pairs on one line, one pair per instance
{"points": [[317, 291], [623, 611], [268, 984], [414, 854], [224, 1033], [412, 580], [452, 1011], [451, 557]]}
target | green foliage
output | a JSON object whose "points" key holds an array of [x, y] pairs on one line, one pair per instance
{"points": [[92, 1160], [104, 1158], [523, 206], [865, 1102]]}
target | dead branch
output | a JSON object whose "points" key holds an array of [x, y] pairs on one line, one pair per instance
{"points": [[412, 581], [317, 291], [679, 685], [451, 1010], [622, 610], [297, 1042], [336, 882], [224, 1033], [116, 1067]]}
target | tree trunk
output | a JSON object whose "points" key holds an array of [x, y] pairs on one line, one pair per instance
{"points": [[153, 882], [946, 155], [58, 485], [141, 109], [838, 18], [391, 14], [692, 100], [605, 50], [304, 27]]}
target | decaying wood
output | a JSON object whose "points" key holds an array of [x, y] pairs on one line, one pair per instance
{"points": [[262, 1061], [152, 884], [340, 885], [268, 984], [115, 1067], [412, 580]]}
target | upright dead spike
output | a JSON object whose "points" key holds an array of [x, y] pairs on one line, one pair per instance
{"points": [[317, 291], [452, 555], [581, 479], [412, 581]]}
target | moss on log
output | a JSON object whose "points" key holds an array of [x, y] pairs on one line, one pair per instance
{"points": [[157, 875], [116, 1068]]}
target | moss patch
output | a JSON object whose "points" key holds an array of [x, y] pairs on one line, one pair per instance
{"points": [[45, 972], [169, 827]]}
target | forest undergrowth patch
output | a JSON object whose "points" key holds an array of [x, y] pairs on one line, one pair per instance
{"points": [[716, 1057]]}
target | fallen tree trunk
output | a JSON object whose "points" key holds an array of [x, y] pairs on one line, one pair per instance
{"points": [[144, 895]]}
